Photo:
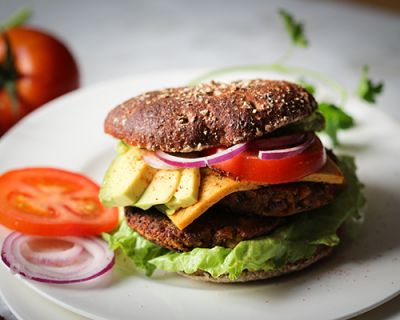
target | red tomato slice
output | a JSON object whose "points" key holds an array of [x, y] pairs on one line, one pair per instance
{"points": [[53, 202], [247, 166]]}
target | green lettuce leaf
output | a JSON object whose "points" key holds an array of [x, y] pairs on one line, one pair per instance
{"points": [[296, 240], [134, 246]]}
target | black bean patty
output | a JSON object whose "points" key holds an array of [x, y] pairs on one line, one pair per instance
{"points": [[240, 216], [280, 200], [214, 228]]}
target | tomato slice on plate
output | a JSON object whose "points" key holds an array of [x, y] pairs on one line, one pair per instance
{"points": [[53, 202], [247, 166]]}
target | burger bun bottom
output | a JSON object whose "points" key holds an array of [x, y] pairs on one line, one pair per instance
{"points": [[247, 276]]}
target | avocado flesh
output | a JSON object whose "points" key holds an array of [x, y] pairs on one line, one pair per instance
{"points": [[129, 181], [160, 190], [122, 147], [126, 179], [188, 191]]}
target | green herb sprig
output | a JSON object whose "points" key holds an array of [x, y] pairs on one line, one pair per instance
{"points": [[336, 118], [367, 89], [294, 28]]}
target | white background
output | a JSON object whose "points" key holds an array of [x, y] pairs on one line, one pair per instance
{"points": [[112, 39]]}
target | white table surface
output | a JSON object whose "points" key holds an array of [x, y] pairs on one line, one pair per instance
{"points": [[113, 39]]}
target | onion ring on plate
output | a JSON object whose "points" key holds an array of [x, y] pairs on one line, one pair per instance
{"points": [[48, 261]]}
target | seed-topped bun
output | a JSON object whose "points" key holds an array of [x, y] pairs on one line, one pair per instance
{"points": [[188, 119]]}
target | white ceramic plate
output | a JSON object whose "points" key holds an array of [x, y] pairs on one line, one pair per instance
{"points": [[360, 275]]}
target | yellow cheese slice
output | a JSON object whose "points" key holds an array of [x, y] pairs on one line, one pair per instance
{"points": [[329, 173], [214, 187]]}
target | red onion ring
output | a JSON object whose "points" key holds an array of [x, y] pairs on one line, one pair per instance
{"points": [[153, 161], [50, 258], [94, 260], [202, 161], [276, 154], [277, 142], [299, 141]]}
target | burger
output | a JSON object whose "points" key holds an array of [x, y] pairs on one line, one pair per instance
{"points": [[226, 182]]}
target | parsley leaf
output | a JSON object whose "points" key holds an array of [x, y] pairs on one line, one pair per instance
{"points": [[336, 119], [294, 28], [368, 90]]}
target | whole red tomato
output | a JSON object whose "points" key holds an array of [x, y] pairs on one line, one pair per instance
{"points": [[42, 69]]}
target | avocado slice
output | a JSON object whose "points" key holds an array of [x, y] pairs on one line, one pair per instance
{"points": [[160, 190], [121, 147], [126, 179], [188, 191]]}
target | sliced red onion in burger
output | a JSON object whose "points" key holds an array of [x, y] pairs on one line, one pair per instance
{"points": [[202, 161], [275, 154], [298, 142], [153, 161], [57, 260], [278, 142]]}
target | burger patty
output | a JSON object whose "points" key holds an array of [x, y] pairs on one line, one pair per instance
{"points": [[280, 200], [214, 228], [239, 216]]}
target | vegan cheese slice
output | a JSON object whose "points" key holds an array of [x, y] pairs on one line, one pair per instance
{"points": [[214, 187]]}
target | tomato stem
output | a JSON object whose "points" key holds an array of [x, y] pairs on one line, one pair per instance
{"points": [[9, 75], [17, 19], [11, 90]]}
